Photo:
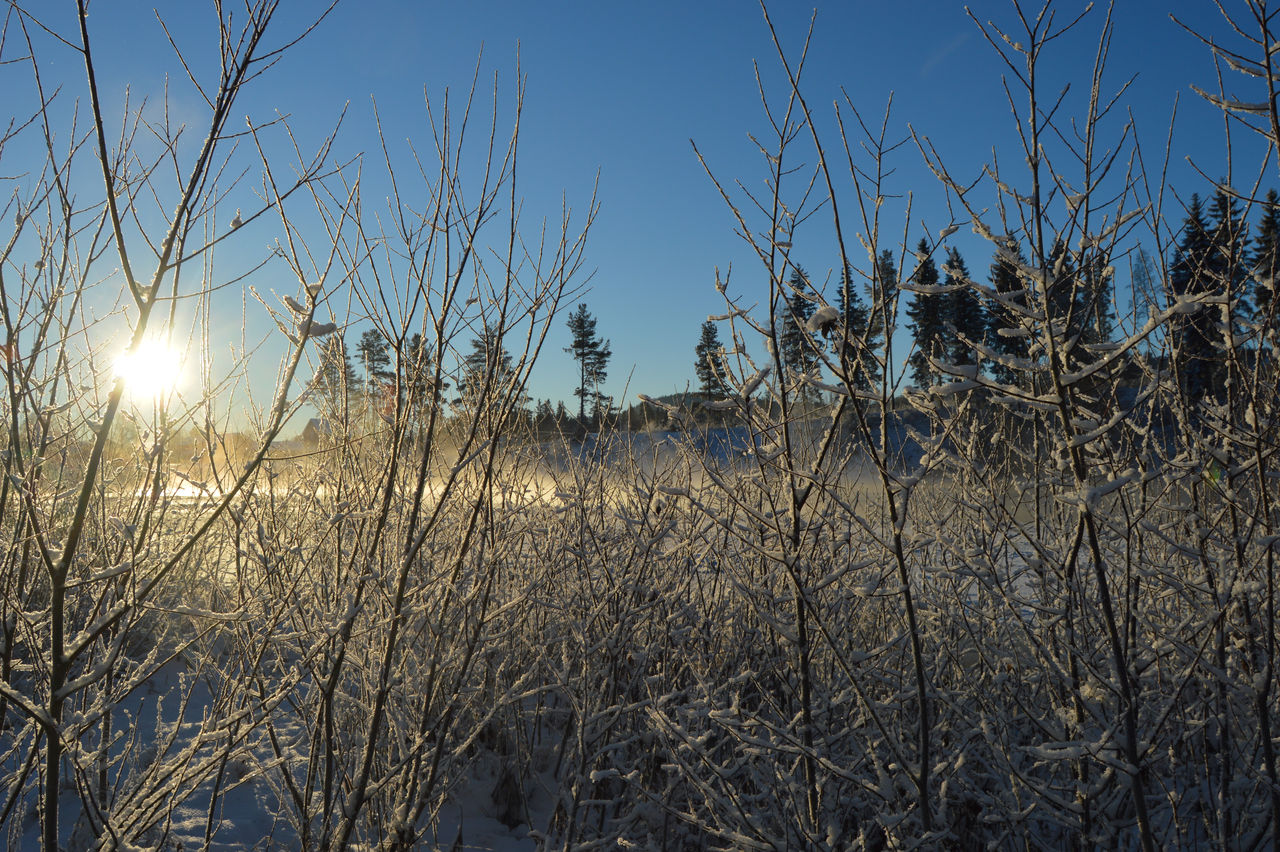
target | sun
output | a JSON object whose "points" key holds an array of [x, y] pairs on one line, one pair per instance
{"points": [[151, 372]]}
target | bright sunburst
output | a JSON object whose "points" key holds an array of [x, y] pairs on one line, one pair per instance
{"points": [[151, 372]]}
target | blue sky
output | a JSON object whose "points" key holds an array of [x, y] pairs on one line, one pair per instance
{"points": [[618, 90]]}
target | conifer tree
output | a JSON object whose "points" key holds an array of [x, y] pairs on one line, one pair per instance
{"points": [[418, 382], [1079, 300], [799, 349], [1211, 257], [1004, 322], [853, 340], [592, 354], [965, 313], [1070, 300], [1061, 296], [543, 414], [1190, 274], [1229, 236], [1096, 315], [884, 295], [335, 377], [927, 313], [486, 372], [707, 364], [1266, 263], [416, 367], [1144, 276], [374, 354]]}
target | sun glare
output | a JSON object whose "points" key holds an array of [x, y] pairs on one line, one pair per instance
{"points": [[151, 372]]}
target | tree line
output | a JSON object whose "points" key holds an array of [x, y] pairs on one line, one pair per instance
{"points": [[406, 376], [954, 324], [951, 323]]}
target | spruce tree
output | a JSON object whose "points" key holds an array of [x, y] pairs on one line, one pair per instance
{"points": [[927, 314], [799, 350], [1143, 274], [1068, 302], [1229, 236], [853, 340], [1004, 322], [1078, 301], [1061, 298], [1096, 316], [543, 415], [965, 312], [884, 295], [1191, 274], [708, 365], [797, 346], [1266, 263], [592, 354]]}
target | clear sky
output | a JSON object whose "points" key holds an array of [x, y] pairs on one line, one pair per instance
{"points": [[618, 90]]}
